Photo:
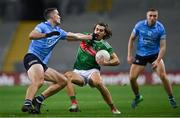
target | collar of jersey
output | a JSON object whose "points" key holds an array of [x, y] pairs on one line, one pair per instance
{"points": [[98, 40], [49, 24], [146, 23]]}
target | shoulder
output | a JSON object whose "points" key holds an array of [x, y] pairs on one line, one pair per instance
{"points": [[42, 24], [140, 23], [105, 43], [60, 29], [159, 24]]}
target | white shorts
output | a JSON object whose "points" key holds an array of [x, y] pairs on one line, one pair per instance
{"points": [[85, 74]]}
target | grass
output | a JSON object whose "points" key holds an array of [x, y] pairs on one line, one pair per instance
{"points": [[155, 102]]}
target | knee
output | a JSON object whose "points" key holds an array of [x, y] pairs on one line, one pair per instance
{"points": [[68, 75], [97, 84], [62, 81], [163, 76], [132, 78], [38, 82]]}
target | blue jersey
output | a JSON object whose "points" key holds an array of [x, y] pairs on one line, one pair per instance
{"points": [[42, 48], [148, 37]]}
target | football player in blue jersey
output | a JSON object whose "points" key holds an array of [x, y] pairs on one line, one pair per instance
{"points": [[151, 46], [43, 38]]}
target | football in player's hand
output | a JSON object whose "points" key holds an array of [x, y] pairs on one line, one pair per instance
{"points": [[103, 54]]}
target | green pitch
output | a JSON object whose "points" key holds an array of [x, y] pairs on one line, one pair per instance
{"points": [[91, 103]]}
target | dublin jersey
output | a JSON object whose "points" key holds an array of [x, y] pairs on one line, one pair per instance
{"points": [[42, 48], [148, 37], [85, 58]]}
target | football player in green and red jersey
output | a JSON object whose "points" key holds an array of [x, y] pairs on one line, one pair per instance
{"points": [[87, 68]]}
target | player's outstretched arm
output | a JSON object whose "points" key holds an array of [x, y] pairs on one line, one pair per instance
{"points": [[78, 36], [35, 35]]}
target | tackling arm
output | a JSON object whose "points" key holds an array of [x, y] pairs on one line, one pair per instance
{"points": [[78, 37], [35, 35]]}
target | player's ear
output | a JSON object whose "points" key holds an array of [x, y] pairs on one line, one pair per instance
{"points": [[51, 16]]}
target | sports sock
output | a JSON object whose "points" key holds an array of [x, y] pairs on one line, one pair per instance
{"points": [[40, 98], [27, 102], [170, 97], [112, 107], [73, 100], [138, 95]]}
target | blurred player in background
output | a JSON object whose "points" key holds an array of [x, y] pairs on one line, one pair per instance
{"points": [[151, 46], [87, 68], [44, 37]]}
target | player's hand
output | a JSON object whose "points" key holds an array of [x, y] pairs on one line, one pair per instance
{"points": [[53, 33], [94, 36], [130, 59], [101, 61], [155, 64]]}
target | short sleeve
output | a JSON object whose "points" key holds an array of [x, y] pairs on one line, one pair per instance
{"points": [[135, 30], [39, 28], [63, 34], [162, 32], [108, 48]]}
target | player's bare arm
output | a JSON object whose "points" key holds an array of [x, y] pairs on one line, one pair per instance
{"points": [[78, 37], [114, 61], [161, 53], [130, 47], [35, 35]]}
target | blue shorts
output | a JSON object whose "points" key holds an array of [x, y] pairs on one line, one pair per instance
{"points": [[143, 60], [31, 59]]}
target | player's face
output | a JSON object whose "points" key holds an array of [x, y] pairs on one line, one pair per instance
{"points": [[100, 31], [56, 17], [152, 17]]}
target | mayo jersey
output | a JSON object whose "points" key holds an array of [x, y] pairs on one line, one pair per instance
{"points": [[85, 58], [148, 37], [43, 47]]}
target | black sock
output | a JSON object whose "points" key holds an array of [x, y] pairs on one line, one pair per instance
{"points": [[40, 98], [171, 97], [138, 95], [112, 106], [27, 102]]}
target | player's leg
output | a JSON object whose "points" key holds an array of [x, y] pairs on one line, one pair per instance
{"points": [[96, 81], [73, 77], [167, 86], [58, 82], [135, 70], [36, 75]]}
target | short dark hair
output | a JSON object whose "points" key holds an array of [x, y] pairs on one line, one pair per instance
{"points": [[107, 30], [47, 12], [152, 9]]}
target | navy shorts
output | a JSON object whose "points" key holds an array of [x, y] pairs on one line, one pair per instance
{"points": [[143, 60], [31, 59]]}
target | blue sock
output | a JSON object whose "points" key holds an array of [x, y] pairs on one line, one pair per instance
{"points": [[171, 97], [138, 95], [40, 98], [27, 102]]}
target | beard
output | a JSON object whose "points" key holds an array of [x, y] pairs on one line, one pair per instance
{"points": [[58, 22], [151, 23]]}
